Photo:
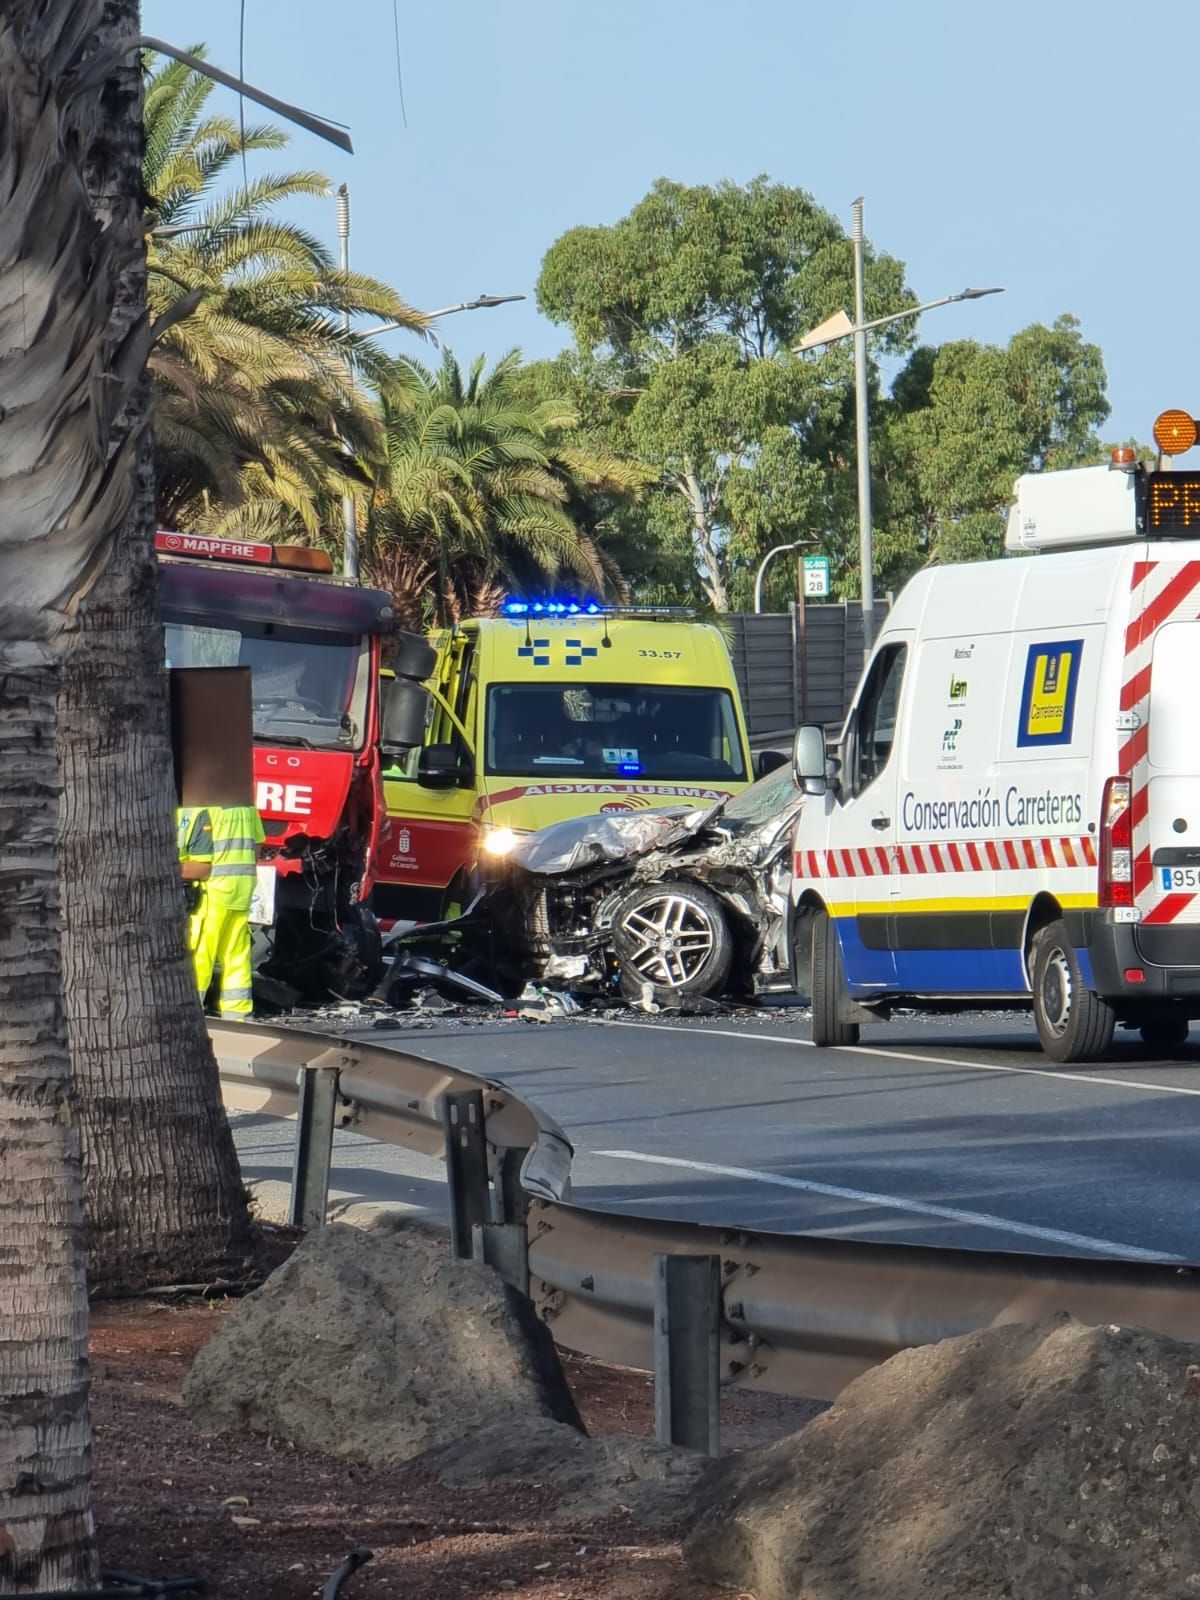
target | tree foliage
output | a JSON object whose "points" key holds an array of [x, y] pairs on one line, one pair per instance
{"points": [[964, 421], [684, 314], [482, 487], [677, 442], [260, 408]]}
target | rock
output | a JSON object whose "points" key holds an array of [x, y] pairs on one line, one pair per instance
{"points": [[653, 1484], [377, 1344], [1052, 1461]]}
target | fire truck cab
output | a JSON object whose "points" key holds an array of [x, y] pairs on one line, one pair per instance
{"points": [[314, 646]]}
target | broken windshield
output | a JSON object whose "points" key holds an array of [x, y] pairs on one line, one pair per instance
{"points": [[309, 688], [613, 730], [770, 797]]}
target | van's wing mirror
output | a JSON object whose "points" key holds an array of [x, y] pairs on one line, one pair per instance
{"points": [[809, 760], [768, 761], [405, 713], [443, 766]]}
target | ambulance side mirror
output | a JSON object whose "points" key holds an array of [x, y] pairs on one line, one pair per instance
{"points": [[442, 766], [768, 761], [405, 713], [809, 760]]}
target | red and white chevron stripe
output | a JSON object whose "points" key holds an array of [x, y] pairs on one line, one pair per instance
{"points": [[1161, 591], [983, 855]]}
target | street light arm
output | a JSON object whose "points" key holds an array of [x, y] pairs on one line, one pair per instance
{"points": [[484, 303], [302, 119], [811, 342], [779, 549]]}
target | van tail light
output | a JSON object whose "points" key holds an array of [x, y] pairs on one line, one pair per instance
{"points": [[1116, 844]]}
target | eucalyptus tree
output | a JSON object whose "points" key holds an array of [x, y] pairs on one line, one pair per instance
{"points": [[964, 421], [684, 314]]}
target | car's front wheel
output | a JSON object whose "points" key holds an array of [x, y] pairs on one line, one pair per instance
{"points": [[674, 937]]}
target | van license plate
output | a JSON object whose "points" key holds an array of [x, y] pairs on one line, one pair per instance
{"points": [[1176, 878]]}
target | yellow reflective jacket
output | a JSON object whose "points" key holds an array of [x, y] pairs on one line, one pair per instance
{"points": [[237, 832]]}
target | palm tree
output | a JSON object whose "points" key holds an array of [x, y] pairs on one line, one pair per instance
{"points": [[163, 1191], [259, 405], [65, 484], [482, 489]]}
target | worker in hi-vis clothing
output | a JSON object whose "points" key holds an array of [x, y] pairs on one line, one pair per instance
{"points": [[218, 853], [224, 933]]}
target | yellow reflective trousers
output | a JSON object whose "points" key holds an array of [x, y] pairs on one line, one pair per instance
{"points": [[222, 940], [220, 930]]}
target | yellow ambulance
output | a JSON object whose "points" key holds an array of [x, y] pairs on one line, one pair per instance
{"points": [[554, 710]]}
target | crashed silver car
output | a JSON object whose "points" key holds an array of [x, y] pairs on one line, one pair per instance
{"points": [[651, 906]]}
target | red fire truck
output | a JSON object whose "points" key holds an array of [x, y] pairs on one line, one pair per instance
{"points": [[314, 646]]}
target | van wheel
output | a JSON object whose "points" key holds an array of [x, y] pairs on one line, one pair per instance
{"points": [[1073, 1022], [829, 986], [1167, 1032]]}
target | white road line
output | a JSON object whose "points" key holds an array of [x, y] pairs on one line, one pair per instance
{"points": [[1083, 1076], [890, 1202], [698, 1033]]}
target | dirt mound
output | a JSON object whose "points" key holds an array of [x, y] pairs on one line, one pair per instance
{"points": [[377, 1344], [1042, 1461], [653, 1484]]}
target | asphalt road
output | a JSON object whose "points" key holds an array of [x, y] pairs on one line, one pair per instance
{"points": [[945, 1132]]}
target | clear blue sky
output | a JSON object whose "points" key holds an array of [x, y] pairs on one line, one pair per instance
{"points": [[1033, 145]]}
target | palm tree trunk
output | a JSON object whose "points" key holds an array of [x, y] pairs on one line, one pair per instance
{"points": [[45, 1440], [164, 1194], [165, 1201], [60, 493]]}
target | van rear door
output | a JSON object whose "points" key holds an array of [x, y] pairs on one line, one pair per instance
{"points": [[1172, 896]]}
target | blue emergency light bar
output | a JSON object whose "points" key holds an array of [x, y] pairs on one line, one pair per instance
{"points": [[587, 608], [552, 608]]}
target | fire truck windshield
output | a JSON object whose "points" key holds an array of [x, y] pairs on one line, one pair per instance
{"points": [[309, 687]]}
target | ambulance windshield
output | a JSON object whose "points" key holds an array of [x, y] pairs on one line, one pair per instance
{"points": [[309, 688], [612, 730]]}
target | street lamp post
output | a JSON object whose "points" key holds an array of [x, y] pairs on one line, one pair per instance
{"points": [[830, 332], [762, 567], [866, 564], [349, 512]]}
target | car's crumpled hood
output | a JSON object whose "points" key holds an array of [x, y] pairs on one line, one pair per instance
{"points": [[582, 842]]}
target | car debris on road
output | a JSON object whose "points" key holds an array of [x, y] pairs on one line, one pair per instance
{"points": [[656, 908], [679, 910]]}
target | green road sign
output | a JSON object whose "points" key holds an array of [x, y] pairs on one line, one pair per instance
{"points": [[816, 577]]}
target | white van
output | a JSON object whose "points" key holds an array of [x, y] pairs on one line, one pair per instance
{"points": [[1015, 812]]}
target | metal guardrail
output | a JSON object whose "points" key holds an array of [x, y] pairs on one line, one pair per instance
{"points": [[800, 1315]]}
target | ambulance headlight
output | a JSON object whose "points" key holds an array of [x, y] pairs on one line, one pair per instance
{"points": [[498, 841]]}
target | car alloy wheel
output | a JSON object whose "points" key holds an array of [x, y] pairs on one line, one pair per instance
{"points": [[670, 939]]}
